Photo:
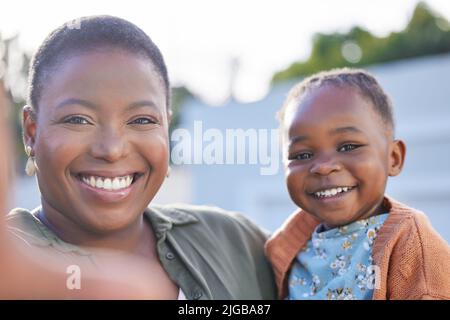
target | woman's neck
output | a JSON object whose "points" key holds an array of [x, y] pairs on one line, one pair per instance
{"points": [[137, 238]]}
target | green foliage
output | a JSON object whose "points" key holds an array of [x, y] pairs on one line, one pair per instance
{"points": [[13, 74], [179, 97], [427, 33]]}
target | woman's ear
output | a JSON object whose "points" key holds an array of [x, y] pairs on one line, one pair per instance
{"points": [[397, 153], [28, 126]]}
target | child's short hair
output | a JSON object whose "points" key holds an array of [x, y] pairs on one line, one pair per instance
{"points": [[359, 79], [90, 33]]}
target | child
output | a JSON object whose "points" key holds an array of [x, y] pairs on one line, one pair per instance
{"points": [[349, 240]]}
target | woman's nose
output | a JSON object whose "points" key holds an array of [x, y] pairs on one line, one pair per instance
{"points": [[110, 145], [325, 166]]}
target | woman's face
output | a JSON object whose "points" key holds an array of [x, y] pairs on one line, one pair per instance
{"points": [[100, 139]]}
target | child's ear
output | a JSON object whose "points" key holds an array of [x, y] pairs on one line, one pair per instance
{"points": [[28, 126], [397, 153]]}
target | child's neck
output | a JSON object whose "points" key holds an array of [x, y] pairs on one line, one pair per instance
{"points": [[379, 209]]}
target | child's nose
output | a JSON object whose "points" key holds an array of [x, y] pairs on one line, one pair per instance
{"points": [[325, 166]]}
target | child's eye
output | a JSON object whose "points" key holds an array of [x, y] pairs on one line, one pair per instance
{"points": [[142, 120], [348, 147], [302, 156], [76, 120]]}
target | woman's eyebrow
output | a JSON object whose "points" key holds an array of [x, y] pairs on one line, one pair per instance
{"points": [[72, 101], [142, 103], [90, 105]]}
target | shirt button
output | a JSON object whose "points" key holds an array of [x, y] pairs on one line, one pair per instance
{"points": [[170, 256], [197, 295]]}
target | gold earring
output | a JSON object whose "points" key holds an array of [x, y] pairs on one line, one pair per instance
{"points": [[168, 172], [30, 167]]}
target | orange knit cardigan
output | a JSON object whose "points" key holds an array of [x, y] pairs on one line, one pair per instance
{"points": [[414, 259]]}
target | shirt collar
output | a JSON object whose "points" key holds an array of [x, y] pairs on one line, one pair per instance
{"points": [[51, 239], [163, 218]]}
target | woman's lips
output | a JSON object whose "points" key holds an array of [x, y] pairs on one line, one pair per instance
{"points": [[107, 189]]}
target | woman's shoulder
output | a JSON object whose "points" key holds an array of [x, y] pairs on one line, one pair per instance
{"points": [[211, 217], [22, 224], [22, 219]]}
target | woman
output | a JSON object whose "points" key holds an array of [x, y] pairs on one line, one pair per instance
{"points": [[24, 274], [96, 133]]}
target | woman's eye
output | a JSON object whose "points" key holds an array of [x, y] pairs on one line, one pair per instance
{"points": [[348, 147], [143, 121], [77, 120]]}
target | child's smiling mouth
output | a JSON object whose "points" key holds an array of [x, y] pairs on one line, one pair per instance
{"points": [[331, 192]]}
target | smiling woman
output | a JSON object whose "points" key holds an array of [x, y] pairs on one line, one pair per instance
{"points": [[25, 274], [96, 132], [88, 146]]}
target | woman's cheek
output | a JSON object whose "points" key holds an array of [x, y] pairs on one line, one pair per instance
{"points": [[55, 151], [155, 148]]}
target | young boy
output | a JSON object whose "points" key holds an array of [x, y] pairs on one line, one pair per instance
{"points": [[349, 240]]}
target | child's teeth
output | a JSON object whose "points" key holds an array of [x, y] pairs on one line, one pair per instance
{"points": [[331, 192]]}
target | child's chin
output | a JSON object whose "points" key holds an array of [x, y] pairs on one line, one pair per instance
{"points": [[332, 222]]}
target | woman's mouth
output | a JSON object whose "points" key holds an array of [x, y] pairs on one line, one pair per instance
{"points": [[110, 188], [108, 183]]}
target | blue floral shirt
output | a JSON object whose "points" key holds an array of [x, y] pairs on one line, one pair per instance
{"points": [[337, 264]]}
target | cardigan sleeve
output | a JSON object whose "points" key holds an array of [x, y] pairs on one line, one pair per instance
{"points": [[436, 260], [419, 263]]}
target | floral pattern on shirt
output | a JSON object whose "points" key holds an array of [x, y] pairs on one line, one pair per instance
{"points": [[337, 264]]}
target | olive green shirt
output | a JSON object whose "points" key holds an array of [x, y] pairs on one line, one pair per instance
{"points": [[208, 252]]}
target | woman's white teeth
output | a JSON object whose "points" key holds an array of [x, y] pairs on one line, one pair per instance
{"points": [[331, 192], [108, 183]]}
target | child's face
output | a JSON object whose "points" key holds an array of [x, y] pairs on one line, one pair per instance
{"points": [[102, 117], [338, 155]]}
